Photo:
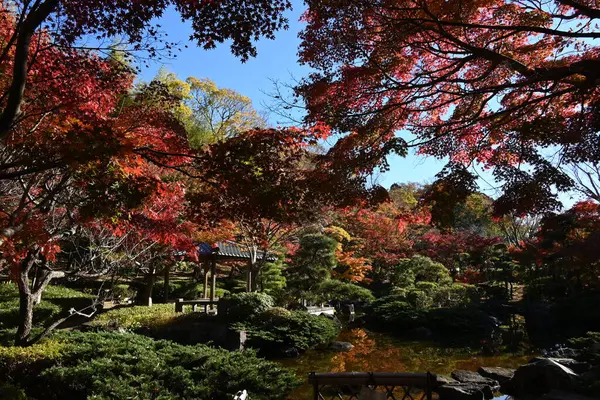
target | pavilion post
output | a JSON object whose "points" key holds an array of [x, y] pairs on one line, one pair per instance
{"points": [[205, 269], [213, 277]]}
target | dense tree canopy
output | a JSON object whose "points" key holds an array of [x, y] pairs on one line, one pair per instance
{"points": [[101, 176], [567, 245], [501, 83]]}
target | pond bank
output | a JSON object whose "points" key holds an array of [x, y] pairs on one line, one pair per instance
{"points": [[379, 352]]}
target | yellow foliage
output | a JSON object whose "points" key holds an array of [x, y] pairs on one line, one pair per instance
{"points": [[12, 356], [137, 317], [338, 234], [220, 113], [354, 268]]}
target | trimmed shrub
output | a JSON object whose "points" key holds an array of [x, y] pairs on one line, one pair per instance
{"points": [[419, 268], [455, 295], [419, 299], [427, 287], [460, 322], [187, 289], [337, 291], [245, 306], [275, 313], [128, 366], [11, 392], [136, 317], [394, 313], [391, 311], [177, 289], [122, 291], [425, 295], [275, 330], [16, 360]]}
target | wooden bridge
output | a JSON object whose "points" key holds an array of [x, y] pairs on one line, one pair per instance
{"points": [[317, 310], [206, 303], [357, 385]]}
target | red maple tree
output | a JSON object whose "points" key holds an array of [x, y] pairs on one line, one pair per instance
{"points": [[498, 82]]}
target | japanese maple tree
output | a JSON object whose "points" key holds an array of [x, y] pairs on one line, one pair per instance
{"points": [[67, 22], [566, 247], [77, 154], [100, 175], [75, 147], [383, 234], [502, 83]]}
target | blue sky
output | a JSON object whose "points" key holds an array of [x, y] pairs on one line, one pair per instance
{"points": [[277, 60]]}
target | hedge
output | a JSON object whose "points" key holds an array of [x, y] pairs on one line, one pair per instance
{"points": [[120, 366]]}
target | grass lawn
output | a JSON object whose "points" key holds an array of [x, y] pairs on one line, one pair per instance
{"points": [[56, 301]]}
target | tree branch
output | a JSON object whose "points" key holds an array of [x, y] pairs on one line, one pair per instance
{"points": [[19, 78]]}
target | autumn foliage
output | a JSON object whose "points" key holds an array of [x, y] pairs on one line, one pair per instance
{"points": [[92, 162], [567, 247], [498, 83], [81, 147]]}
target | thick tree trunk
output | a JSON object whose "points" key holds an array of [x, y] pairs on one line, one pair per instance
{"points": [[25, 300], [25, 318], [28, 295], [146, 295], [254, 283], [166, 283], [249, 277]]}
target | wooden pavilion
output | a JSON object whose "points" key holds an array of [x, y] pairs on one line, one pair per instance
{"points": [[225, 251]]}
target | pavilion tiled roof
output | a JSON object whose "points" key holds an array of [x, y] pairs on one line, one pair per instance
{"points": [[232, 250]]}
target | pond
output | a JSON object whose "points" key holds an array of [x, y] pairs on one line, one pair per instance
{"points": [[378, 352]]}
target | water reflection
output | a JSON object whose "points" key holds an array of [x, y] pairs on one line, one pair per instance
{"points": [[378, 352]]}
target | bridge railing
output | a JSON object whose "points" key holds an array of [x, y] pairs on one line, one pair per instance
{"points": [[357, 385], [205, 303]]}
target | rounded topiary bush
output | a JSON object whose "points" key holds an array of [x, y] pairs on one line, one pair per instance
{"points": [[275, 313], [274, 331], [337, 291], [245, 306], [469, 321], [392, 311]]}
